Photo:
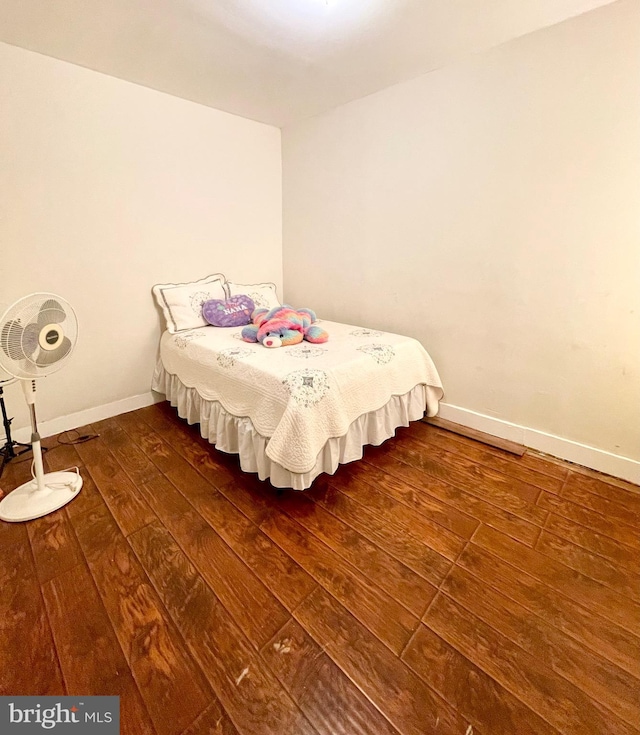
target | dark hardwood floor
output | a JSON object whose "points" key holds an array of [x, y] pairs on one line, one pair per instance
{"points": [[438, 586]]}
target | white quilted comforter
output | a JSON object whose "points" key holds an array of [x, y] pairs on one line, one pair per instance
{"points": [[303, 395]]}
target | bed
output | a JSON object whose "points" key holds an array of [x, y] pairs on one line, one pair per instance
{"points": [[295, 412]]}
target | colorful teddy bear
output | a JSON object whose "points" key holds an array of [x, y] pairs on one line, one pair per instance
{"points": [[283, 326]]}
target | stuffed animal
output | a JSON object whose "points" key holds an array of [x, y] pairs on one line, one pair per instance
{"points": [[283, 326]]}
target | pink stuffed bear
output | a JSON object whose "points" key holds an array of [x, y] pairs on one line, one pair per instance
{"points": [[283, 326]]}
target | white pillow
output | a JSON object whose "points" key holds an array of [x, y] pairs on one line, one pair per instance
{"points": [[181, 303], [263, 295]]}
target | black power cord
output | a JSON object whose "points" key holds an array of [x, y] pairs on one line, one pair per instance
{"points": [[80, 439]]}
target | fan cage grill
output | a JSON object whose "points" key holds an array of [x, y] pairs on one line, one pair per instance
{"points": [[21, 354]]}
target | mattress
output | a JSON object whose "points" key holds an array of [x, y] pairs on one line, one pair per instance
{"points": [[298, 402]]}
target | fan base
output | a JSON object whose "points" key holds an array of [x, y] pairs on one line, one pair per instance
{"points": [[27, 502]]}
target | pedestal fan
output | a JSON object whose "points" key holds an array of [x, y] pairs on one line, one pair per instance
{"points": [[37, 336]]}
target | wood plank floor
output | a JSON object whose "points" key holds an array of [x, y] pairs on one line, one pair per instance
{"points": [[439, 586]]}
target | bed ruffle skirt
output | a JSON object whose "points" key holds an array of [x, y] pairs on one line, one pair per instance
{"points": [[237, 435]]}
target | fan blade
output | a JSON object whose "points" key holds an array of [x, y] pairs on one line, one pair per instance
{"points": [[51, 312], [49, 357], [11, 339], [30, 339]]}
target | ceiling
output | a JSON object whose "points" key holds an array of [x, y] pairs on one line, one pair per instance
{"points": [[276, 61]]}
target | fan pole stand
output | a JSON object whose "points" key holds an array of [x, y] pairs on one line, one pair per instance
{"points": [[46, 492]]}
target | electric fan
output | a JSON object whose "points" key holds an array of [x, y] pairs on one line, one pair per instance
{"points": [[37, 336]]}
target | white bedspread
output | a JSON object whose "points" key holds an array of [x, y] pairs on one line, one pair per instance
{"points": [[303, 395]]}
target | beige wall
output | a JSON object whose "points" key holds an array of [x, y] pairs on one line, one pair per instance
{"points": [[492, 210], [107, 188]]}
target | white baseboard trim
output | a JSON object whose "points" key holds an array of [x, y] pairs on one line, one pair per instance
{"points": [[595, 459], [88, 416]]}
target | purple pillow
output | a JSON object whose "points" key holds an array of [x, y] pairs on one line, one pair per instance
{"points": [[234, 312]]}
